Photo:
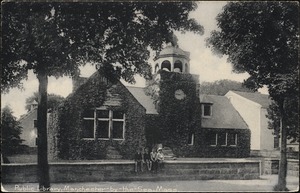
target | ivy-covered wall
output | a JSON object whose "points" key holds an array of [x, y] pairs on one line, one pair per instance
{"points": [[176, 121], [153, 133], [179, 118], [66, 125], [241, 149]]}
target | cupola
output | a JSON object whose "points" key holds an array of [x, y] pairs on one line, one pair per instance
{"points": [[172, 59]]}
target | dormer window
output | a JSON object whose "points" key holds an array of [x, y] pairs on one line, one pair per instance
{"points": [[206, 110]]}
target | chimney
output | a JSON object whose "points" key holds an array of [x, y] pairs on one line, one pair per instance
{"points": [[33, 105]]}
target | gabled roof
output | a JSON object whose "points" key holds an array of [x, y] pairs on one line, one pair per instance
{"points": [[143, 99], [205, 99], [224, 114], [259, 98], [27, 114], [110, 94]]}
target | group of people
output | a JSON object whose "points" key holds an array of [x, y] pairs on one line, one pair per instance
{"points": [[153, 160]]}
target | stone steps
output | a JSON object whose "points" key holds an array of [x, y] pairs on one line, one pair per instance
{"points": [[114, 156], [168, 154], [167, 157], [112, 153]]}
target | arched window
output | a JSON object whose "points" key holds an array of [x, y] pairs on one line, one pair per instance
{"points": [[166, 65], [178, 66], [156, 68]]}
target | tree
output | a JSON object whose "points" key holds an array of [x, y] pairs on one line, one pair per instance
{"points": [[53, 39], [53, 100], [221, 87], [262, 38], [11, 143], [291, 116]]}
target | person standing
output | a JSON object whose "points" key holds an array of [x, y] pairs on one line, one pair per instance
{"points": [[147, 159], [153, 159], [138, 160], [160, 158]]}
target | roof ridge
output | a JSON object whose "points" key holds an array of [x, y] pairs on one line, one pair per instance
{"points": [[27, 114], [262, 100], [249, 92]]}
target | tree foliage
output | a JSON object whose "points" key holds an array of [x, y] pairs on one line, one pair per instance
{"points": [[11, 143], [221, 87], [116, 37], [53, 100], [262, 38]]}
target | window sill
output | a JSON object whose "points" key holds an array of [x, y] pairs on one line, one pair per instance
{"points": [[89, 139], [104, 139]]}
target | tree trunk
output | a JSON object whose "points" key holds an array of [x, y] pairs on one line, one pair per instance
{"points": [[43, 167], [281, 186]]}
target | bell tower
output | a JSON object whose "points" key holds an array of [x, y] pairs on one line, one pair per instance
{"points": [[172, 66], [176, 96]]}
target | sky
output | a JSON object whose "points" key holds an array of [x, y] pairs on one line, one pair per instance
{"points": [[203, 62]]}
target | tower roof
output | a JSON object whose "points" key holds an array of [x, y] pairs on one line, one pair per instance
{"points": [[170, 51]]}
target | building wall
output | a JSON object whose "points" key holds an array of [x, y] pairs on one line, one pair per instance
{"points": [[201, 146], [29, 132], [67, 123], [293, 146], [241, 149], [251, 114], [271, 166], [179, 118], [152, 130], [72, 172], [266, 137]]}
